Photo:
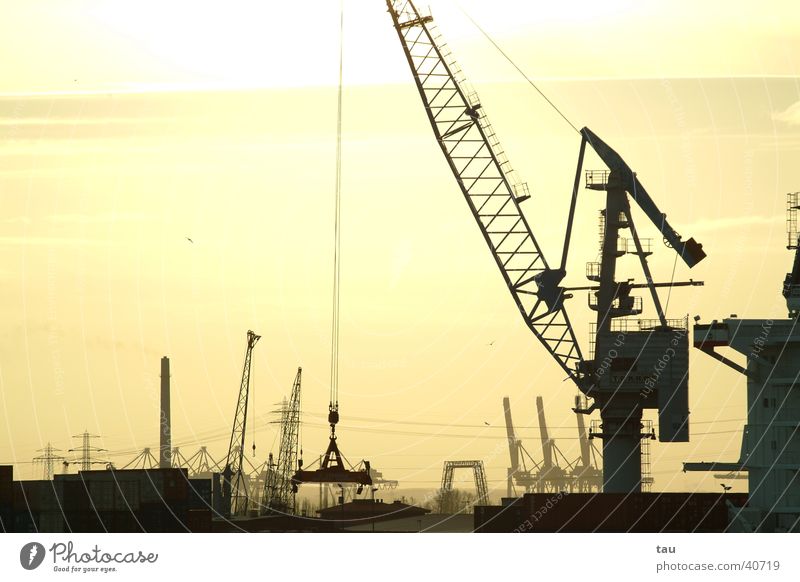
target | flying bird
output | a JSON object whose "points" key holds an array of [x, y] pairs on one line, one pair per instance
{"points": [[725, 487], [190, 240], [491, 343], [486, 423]]}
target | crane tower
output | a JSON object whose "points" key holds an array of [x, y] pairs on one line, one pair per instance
{"points": [[494, 195], [234, 489]]}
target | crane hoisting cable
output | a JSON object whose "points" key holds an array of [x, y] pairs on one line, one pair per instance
{"points": [[333, 466], [333, 405]]}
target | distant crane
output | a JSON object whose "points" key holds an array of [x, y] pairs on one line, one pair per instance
{"points": [[279, 491], [144, 460], [234, 489], [494, 194], [446, 490], [200, 464], [178, 460], [519, 473], [513, 449], [582, 475], [378, 482], [547, 442], [551, 477]]}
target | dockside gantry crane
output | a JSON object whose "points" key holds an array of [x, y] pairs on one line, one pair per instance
{"points": [[446, 490], [513, 449], [530, 475], [552, 477], [519, 473], [618, 378], [234, 488]]}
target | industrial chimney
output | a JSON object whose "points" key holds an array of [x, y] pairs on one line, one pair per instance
{"points": [[164, 430]]}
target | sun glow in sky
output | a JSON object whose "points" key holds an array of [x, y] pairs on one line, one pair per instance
{"points": [[128, 126], [101, 44]]}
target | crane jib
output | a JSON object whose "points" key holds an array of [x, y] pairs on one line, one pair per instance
{"points": [[488, 183], [690, 251]]}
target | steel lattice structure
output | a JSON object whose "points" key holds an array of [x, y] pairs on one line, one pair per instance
{"points": [[481, 487], [48, 459], [488, 183], [144, 460], [200, 463], [86, 449], [234, 483], [278, 488]]}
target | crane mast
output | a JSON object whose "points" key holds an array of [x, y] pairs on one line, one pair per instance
{"points": [[488, 183], [234, 487]]}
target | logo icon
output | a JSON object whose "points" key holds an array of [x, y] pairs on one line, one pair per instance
{"points": [[31, 555]]}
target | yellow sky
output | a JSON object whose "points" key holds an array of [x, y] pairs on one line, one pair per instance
{"points": [[94, 44], [103, 175]]}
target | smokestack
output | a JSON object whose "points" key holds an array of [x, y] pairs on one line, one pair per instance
{"points": [[164, 430]]}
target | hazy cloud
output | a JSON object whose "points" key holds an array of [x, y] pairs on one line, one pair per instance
{"points": [[46, 240], [790, 116], [715, 224], [103, 217], [16, 220], [12, 122]]}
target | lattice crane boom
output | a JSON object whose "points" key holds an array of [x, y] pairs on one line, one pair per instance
{"points": [[278, 488], [234, 486], [488, 183]]}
